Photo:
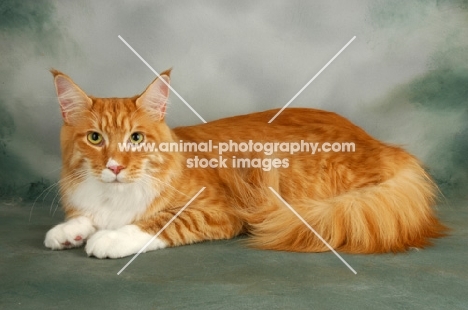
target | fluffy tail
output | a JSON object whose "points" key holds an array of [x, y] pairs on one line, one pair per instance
{"points": [[388, 217]]}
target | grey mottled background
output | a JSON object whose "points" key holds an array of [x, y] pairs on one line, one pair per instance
{"points": [[404, 79]]}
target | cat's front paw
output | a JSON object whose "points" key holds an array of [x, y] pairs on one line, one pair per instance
{"points": [[72, 233], [122, 242]]}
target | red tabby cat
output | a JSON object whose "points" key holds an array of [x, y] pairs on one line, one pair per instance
{"points": [[373, 200]]}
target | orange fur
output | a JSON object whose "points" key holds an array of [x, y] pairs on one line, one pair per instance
{"points": [[376, 199]]}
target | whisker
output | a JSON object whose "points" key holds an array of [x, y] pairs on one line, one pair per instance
{"points": [[72, 176], [35, 200], [76, 175], [53, 200], [56, 207]]}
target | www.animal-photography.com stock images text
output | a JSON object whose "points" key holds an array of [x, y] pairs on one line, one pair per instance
{"points": [[234, 154]]}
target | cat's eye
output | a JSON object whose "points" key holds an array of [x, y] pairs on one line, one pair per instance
{"points": [[136, 137], [95, 138]]}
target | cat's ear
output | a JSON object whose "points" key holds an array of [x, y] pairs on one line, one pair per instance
{"points": [[154, 98], [73, 101]]}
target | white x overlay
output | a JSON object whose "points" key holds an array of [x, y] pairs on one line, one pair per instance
{"points": [[271, 120]]}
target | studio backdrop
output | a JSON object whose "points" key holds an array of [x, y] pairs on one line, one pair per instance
{"points": [[404, 78]]}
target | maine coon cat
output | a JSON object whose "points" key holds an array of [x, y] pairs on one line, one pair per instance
{"points": [[373, 200]]}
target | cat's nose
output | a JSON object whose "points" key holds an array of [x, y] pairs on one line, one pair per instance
{"points": [[116, 169]]}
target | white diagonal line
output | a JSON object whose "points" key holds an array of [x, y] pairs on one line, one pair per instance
{"points": [[315, 76], [313, 230], [157, 74], [161, 230]]}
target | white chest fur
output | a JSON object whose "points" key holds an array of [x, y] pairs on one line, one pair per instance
{"points": [[112, 205]]}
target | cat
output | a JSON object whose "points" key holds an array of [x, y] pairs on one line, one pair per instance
{"points": [[376, 199]]}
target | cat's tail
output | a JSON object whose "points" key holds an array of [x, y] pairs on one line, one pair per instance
{"points": [[391, 216]]}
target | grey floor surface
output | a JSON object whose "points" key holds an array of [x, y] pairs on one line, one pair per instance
{"points": [[226, 274]]}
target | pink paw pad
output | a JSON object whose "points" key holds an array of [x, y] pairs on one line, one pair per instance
{"points": [[78, 238]]}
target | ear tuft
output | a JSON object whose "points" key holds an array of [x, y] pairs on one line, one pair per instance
{"points": [[167, 72], [154, 98], [55, 72], [73, 101]]}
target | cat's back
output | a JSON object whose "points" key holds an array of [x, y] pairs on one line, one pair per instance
{"points": [[292, 123]]}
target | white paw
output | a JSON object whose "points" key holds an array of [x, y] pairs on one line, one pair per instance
{"points": [[122, 242], [72, 233]]}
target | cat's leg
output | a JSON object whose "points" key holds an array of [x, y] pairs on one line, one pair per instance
{"points": [[197, 223], [70, 234], [192, 225]]}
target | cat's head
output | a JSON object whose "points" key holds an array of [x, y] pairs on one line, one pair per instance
{"points": [[96, 132]]}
